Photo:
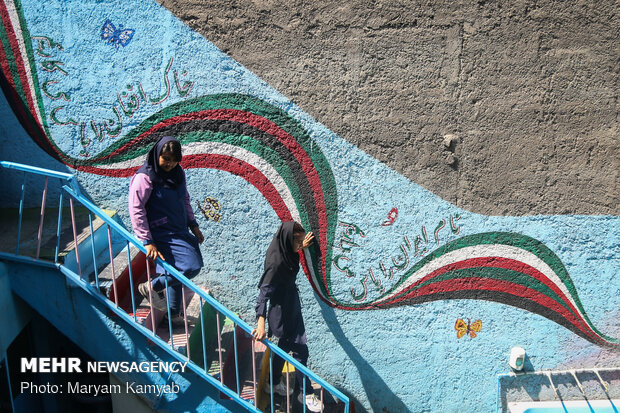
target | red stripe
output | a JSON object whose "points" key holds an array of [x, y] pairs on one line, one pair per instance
{"points": [[36, 131], [255, 121], [18, 58], [486, 284], [222, 162], [300, 154], [266, 126], [114, 173], [6, 21], [497, 262], [4, 63], [246, 171]]}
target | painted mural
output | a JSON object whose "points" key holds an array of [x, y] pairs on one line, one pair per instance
{"points": [[379, 246]]}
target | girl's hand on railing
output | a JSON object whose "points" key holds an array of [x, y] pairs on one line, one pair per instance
{"points": [[198, 234], [152, 252], [259, 331]]}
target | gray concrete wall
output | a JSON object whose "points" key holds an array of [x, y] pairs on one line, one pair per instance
{"points": [[529, 88]]}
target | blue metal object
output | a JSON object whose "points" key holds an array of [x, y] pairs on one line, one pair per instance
{"points": [[21, 211], [8, 379], [58, 229], [271, 378], [36, 170], [75, 278], [92, 247], [219, 345], [26, 260], [168, 309], [202, 328], [112, 266], [133, 300], [42, 217], [236, 359], [73, 190]]}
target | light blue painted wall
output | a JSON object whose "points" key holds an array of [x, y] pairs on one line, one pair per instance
{"points": [[15, 313], [405, 358]]}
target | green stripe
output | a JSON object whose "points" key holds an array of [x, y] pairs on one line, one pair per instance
{"points": [[29, 59], [33, 71], [326, 178], [541, 251], [276, 116], [262, 151], [501, 274], [242, 141], [515, 240], [14, 73]]}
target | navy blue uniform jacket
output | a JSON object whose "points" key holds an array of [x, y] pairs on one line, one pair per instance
{"points": [[277, 286]]}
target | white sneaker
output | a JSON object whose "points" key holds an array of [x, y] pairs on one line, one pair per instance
{"points": [[159, 301], [280, 389], [313, 403]]}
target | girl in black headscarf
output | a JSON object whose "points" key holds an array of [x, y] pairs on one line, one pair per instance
{"points": [[162, 218], [277, 285]]}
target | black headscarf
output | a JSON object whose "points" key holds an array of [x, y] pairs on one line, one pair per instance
{"points": [[158, 176], [281, 262]]}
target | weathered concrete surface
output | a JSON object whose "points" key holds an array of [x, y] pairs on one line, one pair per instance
{"points": [[529, 88]]}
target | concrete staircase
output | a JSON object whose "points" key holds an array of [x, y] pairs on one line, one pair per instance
{"points": [[120, 268]]}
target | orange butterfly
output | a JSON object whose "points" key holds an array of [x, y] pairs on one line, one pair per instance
{"points": [[462, 328]]}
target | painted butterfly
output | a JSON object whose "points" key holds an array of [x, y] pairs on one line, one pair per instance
{"points": [[391, 217], [114, 36], [462, 328], [211, 209]]}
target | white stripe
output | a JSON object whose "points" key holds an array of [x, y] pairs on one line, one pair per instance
{"points": [[265, 168], [488, 250], [21, 43], [256, 161], [123, 165], [313, 275], [217, 148]]}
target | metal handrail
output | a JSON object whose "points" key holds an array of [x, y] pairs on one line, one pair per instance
{"points": [[73, 190], [548, 374]]}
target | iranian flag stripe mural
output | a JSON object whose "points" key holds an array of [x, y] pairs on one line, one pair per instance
{"points": [[272, 151]]}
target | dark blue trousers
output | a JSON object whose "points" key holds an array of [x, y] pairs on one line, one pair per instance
{"points": [[175, 289], [299, 353]]}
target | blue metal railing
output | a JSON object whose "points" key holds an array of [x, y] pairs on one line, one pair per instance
{"points": [[70, 186]]}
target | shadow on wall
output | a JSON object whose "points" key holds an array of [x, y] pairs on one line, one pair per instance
{"points": [[378, 393], [537, 387]]}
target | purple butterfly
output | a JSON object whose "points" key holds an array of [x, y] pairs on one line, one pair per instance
{"points": [[117, 37]]}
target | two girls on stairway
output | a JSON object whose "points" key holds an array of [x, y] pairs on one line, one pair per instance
{"points": [[162, 218]]}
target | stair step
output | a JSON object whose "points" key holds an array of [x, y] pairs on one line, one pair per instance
{"points": [[179, 334], [208, 335], [31, 218], [82, 225], [180, 337], [121, 262], [245, 365], [85, 242], [226, 340]]}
